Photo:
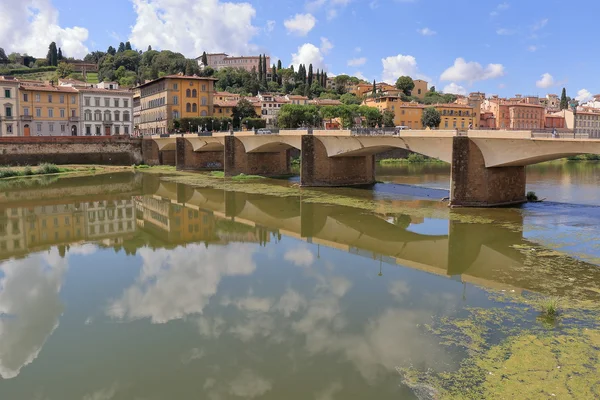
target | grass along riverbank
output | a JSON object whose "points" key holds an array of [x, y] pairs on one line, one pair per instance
{"points": [[411, 159], [27, 171]]}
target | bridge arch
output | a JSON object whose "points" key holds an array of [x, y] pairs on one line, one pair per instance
{"points": [[207, 143], [270, 143]]}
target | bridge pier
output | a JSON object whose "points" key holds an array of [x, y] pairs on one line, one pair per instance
{"points": [[318, 169], [188, 159], [475, 185], [238, 161]]}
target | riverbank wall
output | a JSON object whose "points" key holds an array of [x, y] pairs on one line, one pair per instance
{"points": [[103, 150]]}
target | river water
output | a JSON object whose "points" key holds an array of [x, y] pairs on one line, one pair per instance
{"points": [[135, 286]]}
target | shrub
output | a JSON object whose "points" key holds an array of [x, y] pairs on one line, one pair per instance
{"points": [[45, 169], [549, 306], [531, 196]]}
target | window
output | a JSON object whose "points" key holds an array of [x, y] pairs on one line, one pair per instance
{"points": [[49, 98], [204, 88], [204, 101], [188, 93], [97, 101], [188, 107], [106, 102], [39, 127], [117, 103], [37, 97], [26, 111], [203, 113], [194, 93], [175, 86], [117, 116], [8, 111], [63, 128], [125, 103], [87, 101], [9, 129], [194, 107], [87, 115], [107, 115], [126, 116], [51, 113], [98, 130], [51, 127], [38, 112], [73, 99], [175, 100], [88, 130], [7, 93], [25, 97], [97, 115], [61, 99], [126, 129], [175, 114], [117, 130], [62, 112]]}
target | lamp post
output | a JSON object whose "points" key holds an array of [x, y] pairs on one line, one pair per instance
{"points": [[574, 108]]}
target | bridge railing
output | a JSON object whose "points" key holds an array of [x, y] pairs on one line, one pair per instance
{"points": [[375, 131], [541, 134]]}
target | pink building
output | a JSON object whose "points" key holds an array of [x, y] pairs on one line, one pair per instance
{"points": [[221, 60]]}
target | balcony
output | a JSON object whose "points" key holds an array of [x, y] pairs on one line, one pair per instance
{"points": [[73, 119], [8, 118], [26, 117]]}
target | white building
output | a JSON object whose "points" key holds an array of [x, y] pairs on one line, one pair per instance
{"points": [[106, 110], [110, 218], [270, 106], [9, 107], [218, 61]]}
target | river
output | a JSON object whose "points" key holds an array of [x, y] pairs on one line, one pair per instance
{"points": [[139, 286]]}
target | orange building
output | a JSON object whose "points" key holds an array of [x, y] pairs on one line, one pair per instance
{"points": [[405, 114], [48, 110]]}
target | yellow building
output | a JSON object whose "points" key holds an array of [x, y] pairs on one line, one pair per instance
{"points": [[420, 89], [405, 114], [367, 88], [173, 97], [459, 116], [48, 110]]}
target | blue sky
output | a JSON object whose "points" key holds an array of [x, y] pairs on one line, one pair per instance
{"points": [[503, 47]]}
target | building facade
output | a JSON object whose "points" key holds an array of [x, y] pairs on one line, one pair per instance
{"points": [[526, 116], [405, 114], [137, 110], [420, 89], [47, 110], [173, 97], [106, 111], [218, 61], [457, 116], [9, 106], [270, 106]]}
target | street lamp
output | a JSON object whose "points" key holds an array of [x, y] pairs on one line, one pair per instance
{"points": [[574, 108]]}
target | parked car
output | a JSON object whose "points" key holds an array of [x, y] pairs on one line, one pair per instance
{"points": [[263, 131]]}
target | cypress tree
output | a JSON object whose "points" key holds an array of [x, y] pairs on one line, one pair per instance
{"points": [[274, 73], [374, 88], [60, 54], [279, 65], [204, 59], [149, 48], [310, 74], [318, 77], [121, 47], [564, 103], [265, 70], [52, 55], [127, 46], [260, 68]]}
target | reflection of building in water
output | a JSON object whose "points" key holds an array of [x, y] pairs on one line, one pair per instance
{"points": [[174, 222], [109, 218], [25, 229]]}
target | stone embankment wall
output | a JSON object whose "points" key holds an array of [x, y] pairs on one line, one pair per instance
{"points": [[104, 150]]}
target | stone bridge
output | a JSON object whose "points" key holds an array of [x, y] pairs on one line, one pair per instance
{"points": [[488, 167]]}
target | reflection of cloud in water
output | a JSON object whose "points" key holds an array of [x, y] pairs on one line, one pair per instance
{"points": [[103, 394], [290, 302], [399, 290], [175, 283], [29, 307], [249, 385], [301, 257], [329, 392]]}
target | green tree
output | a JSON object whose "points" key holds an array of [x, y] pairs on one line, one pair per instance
{"points": [[63, 70], [204, 59], [3, 56], [432, 89], [340, 83], [121, 47], [431, 118], [279, 66], [111, 50], [128, 46], [274, 73], [52, 56], [350, 98], [316, 89], [260, 68], [371, 115], [59, 56], [129, 59], [293, 116], [388, 119], [406, 84], [374, 91], [243, 110], [310, 75], [149, 48], [564, 102]]}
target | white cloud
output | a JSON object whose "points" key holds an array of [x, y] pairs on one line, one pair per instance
{"points": [[326, 45], [191, 27], [249, 385], [501, 85], [500, 7], [331, 14], [532, 48], [332, 6], [400, 65], [30, 25], [426, 32], [357, 62], [300, 24], [358, 49], [454, 89], [546, 81], [539, 24], [505, 31], [307, 54], [270, 26], [463, 71], [583, 96], [360, 75]]}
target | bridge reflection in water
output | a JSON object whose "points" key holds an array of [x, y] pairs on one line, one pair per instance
{"points": [[128, 212]]}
